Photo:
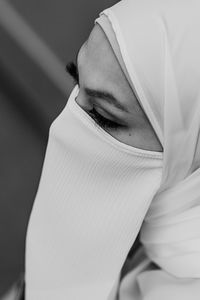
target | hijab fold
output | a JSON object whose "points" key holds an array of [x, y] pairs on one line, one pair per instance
{"points": [[157, 44]]}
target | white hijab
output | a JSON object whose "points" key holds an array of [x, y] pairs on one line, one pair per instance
{"points": [[157, 43]]}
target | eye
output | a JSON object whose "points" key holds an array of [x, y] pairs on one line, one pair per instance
{"points": [[102, 121]]}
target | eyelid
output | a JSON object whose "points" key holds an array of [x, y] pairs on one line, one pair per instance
{"points": [[104, 117], [102, 121], [113, 117]]}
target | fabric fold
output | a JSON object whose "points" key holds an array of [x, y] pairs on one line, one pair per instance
{"points": [[159, 45]]}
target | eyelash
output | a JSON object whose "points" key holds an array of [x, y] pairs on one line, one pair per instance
{"points": [[103, 122], [72, 70]]}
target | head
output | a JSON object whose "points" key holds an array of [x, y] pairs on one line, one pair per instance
{"points": [[105, 93], [101, 190]]}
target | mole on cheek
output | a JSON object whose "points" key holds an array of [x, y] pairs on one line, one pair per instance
{"points": [[129, 134]]}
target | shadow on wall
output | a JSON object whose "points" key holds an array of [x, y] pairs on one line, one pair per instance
{"points": [[37, 39]]}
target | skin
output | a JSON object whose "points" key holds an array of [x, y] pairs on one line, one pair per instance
{"points": [[99, 69]]}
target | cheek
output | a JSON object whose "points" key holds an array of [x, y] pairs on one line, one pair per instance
{"points": [[126, 136], [142, 139]]}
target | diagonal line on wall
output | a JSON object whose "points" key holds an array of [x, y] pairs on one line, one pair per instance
{"points": [[14, 24]]}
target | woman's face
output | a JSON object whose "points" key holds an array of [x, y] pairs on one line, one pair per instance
{"points": [[105, 91]]}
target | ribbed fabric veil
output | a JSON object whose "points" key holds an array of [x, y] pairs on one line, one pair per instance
{"points": [[88, 209], [159, 43]]}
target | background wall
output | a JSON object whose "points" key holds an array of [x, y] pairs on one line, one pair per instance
{"points": [[37, 39]]}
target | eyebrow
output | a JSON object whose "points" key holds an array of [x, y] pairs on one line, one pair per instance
{"points": [[107, 96]]}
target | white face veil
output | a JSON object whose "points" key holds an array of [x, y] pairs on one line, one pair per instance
{"points": [[159, 44]]}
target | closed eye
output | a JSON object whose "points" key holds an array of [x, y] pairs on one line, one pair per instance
{"points": [[103, 122]]}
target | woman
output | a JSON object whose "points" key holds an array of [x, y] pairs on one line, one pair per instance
{"points": [[105, 177]]}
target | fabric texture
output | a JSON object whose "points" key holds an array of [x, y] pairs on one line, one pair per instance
{"points": [[88, 210], [159, 43]]}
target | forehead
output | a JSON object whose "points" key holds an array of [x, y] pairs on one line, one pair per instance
{"points": [[97, 55]]}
